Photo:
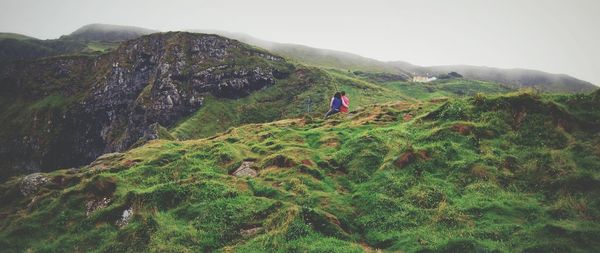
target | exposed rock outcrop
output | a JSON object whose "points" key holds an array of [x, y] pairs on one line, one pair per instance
{"points": [[107, 103], [245, 170], [32, 183]]}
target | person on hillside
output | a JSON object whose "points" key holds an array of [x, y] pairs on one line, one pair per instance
{"points": [[334, 105], [345, 103]]}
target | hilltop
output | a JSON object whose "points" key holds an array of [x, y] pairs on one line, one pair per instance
{"points": [[107, 33], [15, 36], [100, 38], [115, 140], [503, 173], [66, 110], [515, 78]]}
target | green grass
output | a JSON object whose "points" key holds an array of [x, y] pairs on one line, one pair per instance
{"points": [[447, 88], [286, 99], [496, 173], [289, 98], [99, 46], [15, 36]]}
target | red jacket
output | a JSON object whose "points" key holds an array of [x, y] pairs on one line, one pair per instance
{"points": [[345, 104]]}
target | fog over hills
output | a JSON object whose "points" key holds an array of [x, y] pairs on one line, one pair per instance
{"points": [[518, 78], [327, 58], [124, 139], [109, 33]]}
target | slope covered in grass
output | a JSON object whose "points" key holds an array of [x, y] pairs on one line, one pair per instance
{"points": [[308, 85], [504, 173]]}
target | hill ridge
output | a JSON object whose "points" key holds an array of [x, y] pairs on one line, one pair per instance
{"points": [[460, 174]]}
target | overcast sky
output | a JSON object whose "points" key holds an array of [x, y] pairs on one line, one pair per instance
{"points": [[549, 35]]}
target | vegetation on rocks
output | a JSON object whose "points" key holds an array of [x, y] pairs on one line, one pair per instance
{"points": [[207, 144], [487, 173]]}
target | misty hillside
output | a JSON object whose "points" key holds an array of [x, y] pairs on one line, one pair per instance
{"points": [[16, 47], [114, 140], [101, 37], [67, 110], [107, 33], [516, 78], [15, 36], [315, 56]]}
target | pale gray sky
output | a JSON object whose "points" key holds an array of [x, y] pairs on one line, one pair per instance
{"points": [[550, 35]]}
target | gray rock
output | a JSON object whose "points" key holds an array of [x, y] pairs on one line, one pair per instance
{"points": [[245, 170], [160, 78], [125, 217], [96, 204], [32, 183]]}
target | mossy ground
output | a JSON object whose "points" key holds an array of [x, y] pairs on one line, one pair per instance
{"points": [[290, 97], [504, 173]]}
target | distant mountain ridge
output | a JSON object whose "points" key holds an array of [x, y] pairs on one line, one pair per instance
{"points": [[515, 78], [107, 33], [326, 58]]}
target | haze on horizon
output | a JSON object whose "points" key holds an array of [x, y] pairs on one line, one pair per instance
{"points": [[553, 36]]}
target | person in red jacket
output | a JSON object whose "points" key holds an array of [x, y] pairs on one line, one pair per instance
{"points": [[345, 102]]}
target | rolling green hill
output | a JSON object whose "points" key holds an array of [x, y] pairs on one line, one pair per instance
{"points": [[107, 33], [308, 85], [515, 78], [325, 58], [187, 142], [16, 48], [103, 37], [15, 36], [504, 173]]}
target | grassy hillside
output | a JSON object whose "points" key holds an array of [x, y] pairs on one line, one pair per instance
{"points": [[54, 110], [505, 173], [13, 49], [107, 33], [15, 36], [318, 57], [290, 98], [514, 78]]}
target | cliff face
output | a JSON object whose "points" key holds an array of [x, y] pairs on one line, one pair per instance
{"points": [[66, 111]]}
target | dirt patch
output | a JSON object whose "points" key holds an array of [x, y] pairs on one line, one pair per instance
{"points": [[422, 154], [307, 162], [101, 186], [411, 156], [129, 163], [331, 143], [405, 159], [369, 249], [462, 129]]}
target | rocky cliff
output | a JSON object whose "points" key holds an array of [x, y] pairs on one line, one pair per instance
{"points": [[65, 111]]}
